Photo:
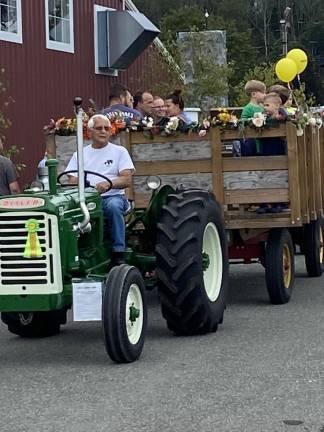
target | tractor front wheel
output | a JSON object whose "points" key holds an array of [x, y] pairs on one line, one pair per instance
{"points": [[192, 262], [124, 314], [279, 265], [34, 324]]}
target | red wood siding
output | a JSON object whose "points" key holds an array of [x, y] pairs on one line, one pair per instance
{"points": [[44, 82]]}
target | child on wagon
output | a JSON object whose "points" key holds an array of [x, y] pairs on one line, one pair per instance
{"points": [[256, 91], [285, 95], [273, 146]]}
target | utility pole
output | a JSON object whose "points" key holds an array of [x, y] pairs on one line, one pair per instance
{"points": [[284, 26]]}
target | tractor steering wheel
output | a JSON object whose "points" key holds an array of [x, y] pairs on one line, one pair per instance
{"points": [[86, 182]]}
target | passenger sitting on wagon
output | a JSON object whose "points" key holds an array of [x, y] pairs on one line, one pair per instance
{"points": [[121, 104], [175, 106], [159, 112], [285, 95], [275, 114], [288, 106], [256, 91], [273, 146]]}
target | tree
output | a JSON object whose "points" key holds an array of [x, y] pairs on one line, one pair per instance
{"points": [[253, 31]]}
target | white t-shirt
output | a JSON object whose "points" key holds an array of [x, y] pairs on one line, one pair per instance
{"points": [[108, 161]]}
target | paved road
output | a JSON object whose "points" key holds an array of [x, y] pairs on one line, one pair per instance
{"points": [[262, 371]]}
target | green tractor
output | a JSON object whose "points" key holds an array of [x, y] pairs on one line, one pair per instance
{"points": [[55, 255]]}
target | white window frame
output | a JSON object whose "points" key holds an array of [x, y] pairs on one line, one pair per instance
{"points": [[99, 8], [55, 45], [14, 37]]}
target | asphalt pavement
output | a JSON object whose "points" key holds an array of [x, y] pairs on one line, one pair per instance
{"points": [[263, 370]]}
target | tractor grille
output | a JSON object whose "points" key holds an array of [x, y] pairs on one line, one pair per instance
{"points": [[19, 275]]}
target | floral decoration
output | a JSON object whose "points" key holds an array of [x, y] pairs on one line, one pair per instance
{"points": [[224, 119], [65, 126], [117, 125], [259, 119], [172, 125]]}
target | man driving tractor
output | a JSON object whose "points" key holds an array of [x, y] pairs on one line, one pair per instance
{"points": [[114, 163]]}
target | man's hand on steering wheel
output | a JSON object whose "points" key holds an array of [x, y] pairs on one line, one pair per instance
{"points": [[103, 187]]}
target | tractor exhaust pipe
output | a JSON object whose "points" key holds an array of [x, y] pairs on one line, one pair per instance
{"points": [[84, 226]]}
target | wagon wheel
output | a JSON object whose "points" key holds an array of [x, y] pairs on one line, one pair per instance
{"points": [[279, 266], [313, 247]]}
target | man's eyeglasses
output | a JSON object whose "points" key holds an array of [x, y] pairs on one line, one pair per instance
{"points": [[100, 128], [158, 107]]}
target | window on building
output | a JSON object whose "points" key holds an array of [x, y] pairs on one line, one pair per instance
{"points": [[10, 21], [59, 25]]}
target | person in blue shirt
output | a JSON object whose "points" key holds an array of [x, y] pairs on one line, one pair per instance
{"points": [[121, 104]]}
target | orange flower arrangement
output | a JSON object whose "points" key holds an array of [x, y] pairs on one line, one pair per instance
{"points": [[67, 126], [117, 125]]}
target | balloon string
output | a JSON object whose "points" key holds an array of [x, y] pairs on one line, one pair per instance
{"points": [[293, 95]]}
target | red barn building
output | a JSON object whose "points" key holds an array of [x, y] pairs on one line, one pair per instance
{"points": [[49, 50]]}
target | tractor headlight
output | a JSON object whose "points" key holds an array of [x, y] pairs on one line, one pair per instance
{"points": [[37, 186], [153, 182]]}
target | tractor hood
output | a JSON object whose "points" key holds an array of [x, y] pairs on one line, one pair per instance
{"points": [[66, 200]]}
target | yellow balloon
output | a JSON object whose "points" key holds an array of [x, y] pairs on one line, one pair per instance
{"points": [[300, 58], [286, 70]]}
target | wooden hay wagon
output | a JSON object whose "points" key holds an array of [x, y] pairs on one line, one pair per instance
{"points": [[241, 183]]}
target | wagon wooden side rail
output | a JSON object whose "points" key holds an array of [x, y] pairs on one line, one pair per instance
{"points": [[239, 183]]}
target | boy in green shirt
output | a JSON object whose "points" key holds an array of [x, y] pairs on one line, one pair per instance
{"points": [[256, 90]]}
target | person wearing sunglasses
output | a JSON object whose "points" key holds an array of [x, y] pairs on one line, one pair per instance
{"points": [[112, 161]]}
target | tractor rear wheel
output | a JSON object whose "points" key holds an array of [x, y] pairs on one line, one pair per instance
{"points": [[313, 247], [192, 262], [34, 324], [124, 314], [279, 265]]}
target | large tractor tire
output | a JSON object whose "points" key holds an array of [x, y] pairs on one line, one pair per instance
{"points": [[192, 263], [124, 314], [34, 324], [279, 265], [313, 247]]}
